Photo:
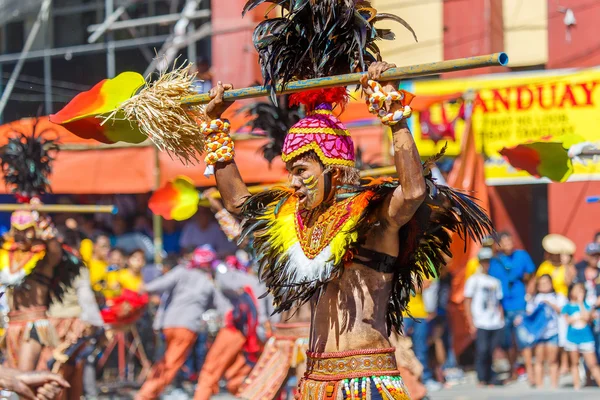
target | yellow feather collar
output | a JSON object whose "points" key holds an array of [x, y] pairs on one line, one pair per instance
{"points": [[334, 228], [15, 260]]}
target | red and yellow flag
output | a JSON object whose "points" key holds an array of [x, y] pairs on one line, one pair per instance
{"points": [[176, 200], [83, 115]]}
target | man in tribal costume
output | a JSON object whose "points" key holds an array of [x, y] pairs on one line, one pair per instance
{"points": [[350, 250], [34, 265]]}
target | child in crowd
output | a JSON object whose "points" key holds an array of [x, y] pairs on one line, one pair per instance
{"points": [[546, 348], [127, 303], [485, 316], [130, 278], [580, 338]]}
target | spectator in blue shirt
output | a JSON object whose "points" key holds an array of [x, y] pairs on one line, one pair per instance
{"points": [[171, 237], [580, 338], [512, 268]]}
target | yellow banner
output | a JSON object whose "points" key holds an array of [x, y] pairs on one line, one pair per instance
{"points": [[510, 109]]}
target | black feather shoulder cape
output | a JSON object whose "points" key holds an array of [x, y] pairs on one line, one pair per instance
{"points": [[424, 241]]}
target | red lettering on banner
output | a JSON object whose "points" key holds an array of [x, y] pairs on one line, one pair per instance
{"points": [[568, 96], [548, 97], [479, 103], [540, 99], [520, 98], [504, 100], [588, 91]]}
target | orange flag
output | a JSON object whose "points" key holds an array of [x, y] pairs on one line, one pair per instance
{"points": [[468, 175]]}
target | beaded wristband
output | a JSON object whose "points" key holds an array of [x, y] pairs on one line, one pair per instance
{"points": [[218, 144], [229, 225], [377, 100]]}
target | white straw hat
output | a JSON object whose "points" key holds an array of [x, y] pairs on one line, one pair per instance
{"points": [[558, 244]]}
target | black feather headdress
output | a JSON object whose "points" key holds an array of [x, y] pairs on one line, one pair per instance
{"points": [[26, 162], [318, 38], [274, 120]]}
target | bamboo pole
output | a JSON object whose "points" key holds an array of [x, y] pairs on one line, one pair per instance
{"points": [[412, 71], [157, 219], [61, 208]]}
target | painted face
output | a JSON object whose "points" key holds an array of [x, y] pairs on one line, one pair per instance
{"points": [[308, 182]]}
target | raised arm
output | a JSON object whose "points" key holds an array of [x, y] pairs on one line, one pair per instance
{"points": [[230, 226], [229, 181], [411, 191], [403, 203]]}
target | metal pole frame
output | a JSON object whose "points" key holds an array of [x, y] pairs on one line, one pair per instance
{"points": [[41, 18]]}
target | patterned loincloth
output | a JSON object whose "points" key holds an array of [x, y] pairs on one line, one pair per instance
{"points": [[360, 374], [284, 352], [31, 324]]}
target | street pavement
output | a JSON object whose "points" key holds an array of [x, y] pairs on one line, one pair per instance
{"points": [[468, 390], [516, 390]]}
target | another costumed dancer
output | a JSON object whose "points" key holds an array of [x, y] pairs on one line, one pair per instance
{"points": [[34, 265], [351, 250], [283, 355]]}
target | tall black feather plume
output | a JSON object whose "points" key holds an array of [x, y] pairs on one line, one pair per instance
{"points": [[26, 162], [317, 38], [274, 120]]}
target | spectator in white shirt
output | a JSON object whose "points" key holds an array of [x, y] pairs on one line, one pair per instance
{"points": [[485, 316]]}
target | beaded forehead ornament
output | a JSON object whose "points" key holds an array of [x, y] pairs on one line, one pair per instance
{"points": [[320, 131]]}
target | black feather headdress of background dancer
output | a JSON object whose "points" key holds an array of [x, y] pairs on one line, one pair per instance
{"points": [[318, 38], [26, 162], [274, 120]]}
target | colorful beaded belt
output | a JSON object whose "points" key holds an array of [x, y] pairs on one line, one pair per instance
{"points": [[28, 315], [351, 364]]}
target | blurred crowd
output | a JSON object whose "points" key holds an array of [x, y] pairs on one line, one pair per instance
{"points": [[525, 322]]}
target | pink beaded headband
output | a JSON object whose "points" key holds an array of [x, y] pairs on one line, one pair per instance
{"points": [[320, 131]]}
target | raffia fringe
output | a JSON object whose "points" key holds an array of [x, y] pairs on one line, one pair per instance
{"points": [[45, 331], [158, 111]]}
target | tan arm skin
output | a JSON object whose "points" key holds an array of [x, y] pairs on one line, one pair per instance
{"points": [[229, 181], [25, 383], [410, 193], [406, 199]]}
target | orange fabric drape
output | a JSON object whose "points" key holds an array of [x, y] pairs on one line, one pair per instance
{"points": [[468, 175], [501, 217]]}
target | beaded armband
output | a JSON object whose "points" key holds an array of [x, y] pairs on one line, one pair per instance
{"points": [[229, 225], [218, 144], [377, 106]]}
